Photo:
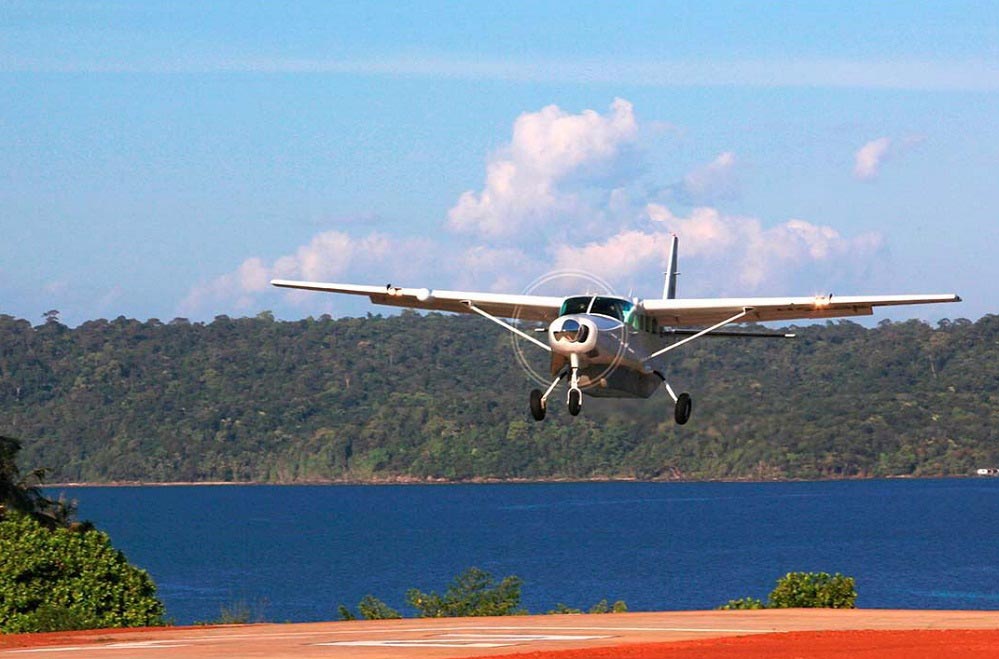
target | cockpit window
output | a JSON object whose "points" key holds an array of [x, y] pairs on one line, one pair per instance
{"points": [[613, 307], [605, 306], [575, 305]]}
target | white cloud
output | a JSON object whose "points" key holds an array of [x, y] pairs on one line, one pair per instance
{"points": [[564, 172], [750, 258], [868, 158], [716, 180], [372, 259], [525, 180], [327, 257]]}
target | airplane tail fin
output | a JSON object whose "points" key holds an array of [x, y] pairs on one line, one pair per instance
{"points": [[669, 289]]}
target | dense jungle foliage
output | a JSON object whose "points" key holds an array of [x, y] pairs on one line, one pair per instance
{"points": [[443, 397], [57, 574]]}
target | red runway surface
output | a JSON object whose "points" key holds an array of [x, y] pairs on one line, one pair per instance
{"points": [[789, 632]]}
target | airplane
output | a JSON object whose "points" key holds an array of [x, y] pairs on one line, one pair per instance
{"points": [[615, 347]]}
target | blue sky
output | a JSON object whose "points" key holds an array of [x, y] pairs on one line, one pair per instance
{"points": [[165, 159]]}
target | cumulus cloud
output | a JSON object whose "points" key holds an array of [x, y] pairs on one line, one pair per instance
{"points": [[566, 172], [751, 257], [868, 158], [372, 259], [328, 256], [525, 180], [716, 180]]}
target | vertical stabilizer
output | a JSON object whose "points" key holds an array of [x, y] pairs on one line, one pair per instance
{"points": [[669, 289]]}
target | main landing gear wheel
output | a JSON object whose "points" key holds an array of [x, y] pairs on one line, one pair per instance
{"points": [[682, 410], [537, 407], [575, 401]]}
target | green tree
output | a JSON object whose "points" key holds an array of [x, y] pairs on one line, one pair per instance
{"points": [[417, 397], [474, 592], [604, 607], [56, 579], [804, 590], [743, 603], [797, 590], [370, 608], [23, 493]]}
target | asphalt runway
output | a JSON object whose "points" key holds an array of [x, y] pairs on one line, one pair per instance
{"points": [[471, 637]]}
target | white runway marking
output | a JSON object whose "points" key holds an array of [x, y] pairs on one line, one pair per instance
{"points": [[492, 634], [134, 645]]}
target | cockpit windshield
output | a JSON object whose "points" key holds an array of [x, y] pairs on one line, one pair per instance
{"points": [[575, 305], [605, 306], [613, 307]]}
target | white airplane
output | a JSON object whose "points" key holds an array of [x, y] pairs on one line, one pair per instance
{"points": [[615, 347]]}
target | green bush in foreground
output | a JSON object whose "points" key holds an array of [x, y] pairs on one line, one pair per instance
{"points": [[742, 604], [804, 590], [62, 579], [474, 592]]}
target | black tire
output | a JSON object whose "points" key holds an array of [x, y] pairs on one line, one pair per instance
{"points": [[537, 407], [575, 401], [683, 408]]}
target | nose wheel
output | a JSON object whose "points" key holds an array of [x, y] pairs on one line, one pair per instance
{"points": [[539, 401], [575, 401]]}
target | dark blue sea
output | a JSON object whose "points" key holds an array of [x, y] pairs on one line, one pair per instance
{"points": [[293, 553]]}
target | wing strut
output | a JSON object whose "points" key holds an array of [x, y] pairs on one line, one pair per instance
{"points": [[742, 314], [520, 333]]}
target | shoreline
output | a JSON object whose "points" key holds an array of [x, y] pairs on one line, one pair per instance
{"points": [[485, 481]]}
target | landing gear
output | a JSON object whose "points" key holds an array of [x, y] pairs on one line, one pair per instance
{"points": [[681, 412], [575, 395], [539, 401], [538, 407], [682, 403]]}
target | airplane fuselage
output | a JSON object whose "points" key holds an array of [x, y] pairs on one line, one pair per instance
{"points": [[610, 340]]}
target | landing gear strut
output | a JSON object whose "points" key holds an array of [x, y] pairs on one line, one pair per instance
{"points": [[539, 401], [575, 399], [682, 403]]}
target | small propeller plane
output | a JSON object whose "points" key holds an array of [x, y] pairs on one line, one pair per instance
{"points": [[615, 347]]}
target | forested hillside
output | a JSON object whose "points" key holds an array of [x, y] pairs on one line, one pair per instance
{"points": [[442, 397]]}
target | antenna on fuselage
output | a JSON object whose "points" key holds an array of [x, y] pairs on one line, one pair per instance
{"points": [[669, 289]]}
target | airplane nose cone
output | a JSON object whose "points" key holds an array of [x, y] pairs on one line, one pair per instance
{"points": [[571, 331]]}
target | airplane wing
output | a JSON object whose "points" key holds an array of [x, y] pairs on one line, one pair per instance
{"points": [[677, 313], [525, 307]]}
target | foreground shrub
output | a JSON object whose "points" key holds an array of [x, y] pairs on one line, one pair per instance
{"points": [[743, 604], [63, 579], [804, 590], [811, 590], [474, 592]]}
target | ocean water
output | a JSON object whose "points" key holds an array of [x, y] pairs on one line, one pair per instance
{"points": [[293, 553]]}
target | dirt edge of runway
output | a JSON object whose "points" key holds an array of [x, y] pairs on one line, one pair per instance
{"points": [[887, 644]]}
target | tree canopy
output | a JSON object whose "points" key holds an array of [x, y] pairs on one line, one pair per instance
{"points": [[56, 574], [440, 397]]}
